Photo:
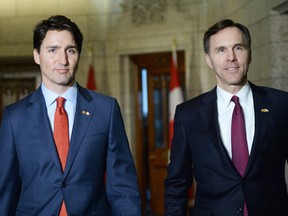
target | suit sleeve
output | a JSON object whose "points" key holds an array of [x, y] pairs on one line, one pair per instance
{"points": [[9, 169], [179, 176], [121, 178]]}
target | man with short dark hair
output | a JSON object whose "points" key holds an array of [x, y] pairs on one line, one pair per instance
{"points": [[72, 158]]}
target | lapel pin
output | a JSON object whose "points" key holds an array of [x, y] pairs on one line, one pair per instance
{"points": [[264, 110], [85, 112]]}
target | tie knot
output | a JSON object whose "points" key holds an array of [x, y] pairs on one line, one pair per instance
{"points": [[235, 99], [60, 101]]}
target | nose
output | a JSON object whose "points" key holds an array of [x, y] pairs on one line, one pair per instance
{"points": [[62, 58], [231, 55]]}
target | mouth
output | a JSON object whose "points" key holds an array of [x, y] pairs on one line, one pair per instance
{"points": [[231, 68], [62, 70]]}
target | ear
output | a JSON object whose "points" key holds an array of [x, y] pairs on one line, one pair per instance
{"points": [[36, 56], [208, 60], [250, 58]]}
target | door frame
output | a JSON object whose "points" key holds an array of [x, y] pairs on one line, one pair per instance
{"points": [[14, 69], [159, 63]]}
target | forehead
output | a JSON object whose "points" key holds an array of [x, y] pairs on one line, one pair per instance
{"points": [[58, 37], [229, 35]]}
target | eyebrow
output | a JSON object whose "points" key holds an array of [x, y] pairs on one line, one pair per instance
{"points": [[72, 46], [240, 44], [219, 48], [52, 46], [235, 45], [57, 47]]}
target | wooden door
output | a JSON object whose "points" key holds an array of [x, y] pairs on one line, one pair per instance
{"points": [[157, 138], [152, 75]]}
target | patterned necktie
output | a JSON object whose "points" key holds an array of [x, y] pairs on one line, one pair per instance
{"points": [[61, 138], [239, 141]]}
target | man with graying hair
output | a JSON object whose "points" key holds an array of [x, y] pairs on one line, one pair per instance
{"points": [[233, 139]]}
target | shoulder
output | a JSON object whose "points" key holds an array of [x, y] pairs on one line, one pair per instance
{"points": [[101, 102], [269, 92], [207, 98], [94, 96], [23, 103]]}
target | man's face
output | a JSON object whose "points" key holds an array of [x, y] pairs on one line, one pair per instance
{"points": [[58, 59], [229, 58]]}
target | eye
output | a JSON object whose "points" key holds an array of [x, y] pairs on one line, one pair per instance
{"points": [[72, 51], [239, 48], [52, 50], [220, 49]]}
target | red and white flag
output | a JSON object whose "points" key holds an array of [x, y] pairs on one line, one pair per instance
{"points": [[91, 84], [175, 92]]}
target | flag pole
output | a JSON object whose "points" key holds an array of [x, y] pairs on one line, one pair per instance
{"points": [[90, 53], [175, 91]]}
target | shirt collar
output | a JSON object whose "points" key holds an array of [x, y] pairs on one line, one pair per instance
{"points": [[224, 97], [50, 96]]}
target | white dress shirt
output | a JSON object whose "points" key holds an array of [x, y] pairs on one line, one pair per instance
{"points": [[70, 104], [225, 109]]}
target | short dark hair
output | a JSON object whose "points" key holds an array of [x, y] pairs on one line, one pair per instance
{"points": [[222, 25], [58, 23]]}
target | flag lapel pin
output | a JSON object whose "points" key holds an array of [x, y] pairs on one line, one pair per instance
{"points": [[85, 112], [264, 110]]}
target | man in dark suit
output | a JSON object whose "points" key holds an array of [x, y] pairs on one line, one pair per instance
{"points": [[203, 147], [98, 176]]}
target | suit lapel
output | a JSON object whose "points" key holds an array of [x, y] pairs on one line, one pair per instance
{"points": [[38, 115], [262, 106], [209, 113], [83, 116]]}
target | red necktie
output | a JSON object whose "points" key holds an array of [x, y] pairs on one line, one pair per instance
{"points": [[240, 153], [61, 138]]}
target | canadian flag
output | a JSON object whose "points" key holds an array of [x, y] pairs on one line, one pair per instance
{"points": [[175, 92], [91, 79]]}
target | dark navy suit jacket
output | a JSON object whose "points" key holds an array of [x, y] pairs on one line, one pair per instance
{"points": [[31, 179], [197, 150]]}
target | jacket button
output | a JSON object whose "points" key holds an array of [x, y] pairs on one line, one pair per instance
{"points": [[239, 211], [64, 185]]}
